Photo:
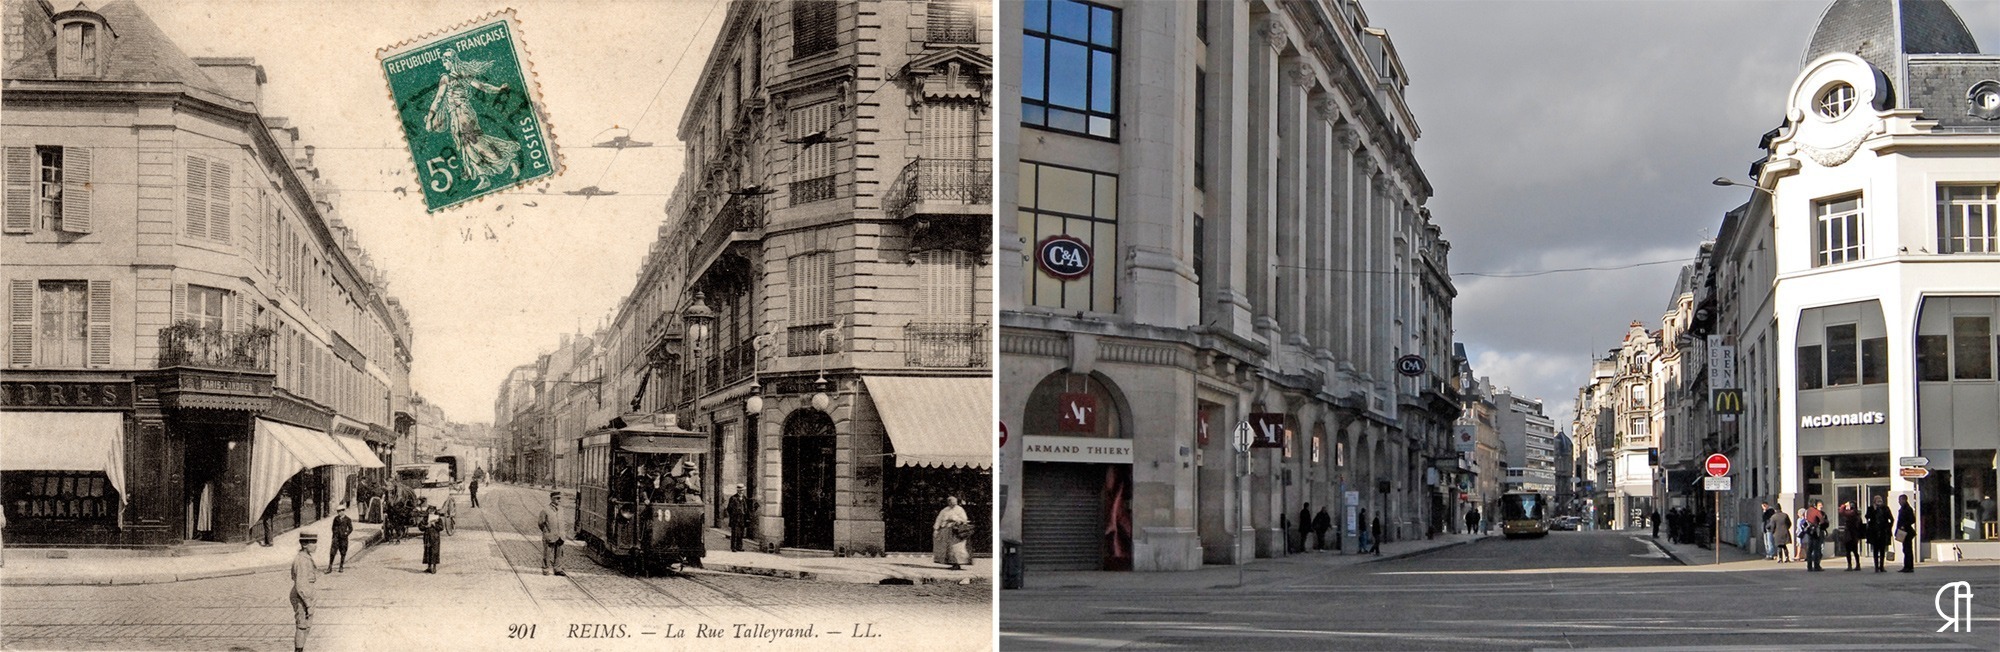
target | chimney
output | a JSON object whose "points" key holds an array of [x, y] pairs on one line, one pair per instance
{"points": [[241, 78]]}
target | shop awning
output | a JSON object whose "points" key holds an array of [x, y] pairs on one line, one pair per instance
{"points": [[943, 422], [358, 450], [65, 441], [281, 451]]}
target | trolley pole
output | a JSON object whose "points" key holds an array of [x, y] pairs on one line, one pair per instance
{"points": [[1717, 530]]}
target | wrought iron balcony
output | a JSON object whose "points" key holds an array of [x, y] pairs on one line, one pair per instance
{"points": [[811, 339], [187, 344], [812, 190], [741, 213], [945, 344], [953, 182]]}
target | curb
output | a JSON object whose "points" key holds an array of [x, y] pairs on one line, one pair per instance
{"points": [[1424, 551], [842, 577], [1670, 553], [162, 577]]}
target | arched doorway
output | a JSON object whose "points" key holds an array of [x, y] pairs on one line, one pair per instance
{"points": [[808, 468], [1076, 503]]}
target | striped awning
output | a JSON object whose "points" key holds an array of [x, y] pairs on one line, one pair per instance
{"points": [[65, 441], [358, 450], [281, 451], [944, 422]]}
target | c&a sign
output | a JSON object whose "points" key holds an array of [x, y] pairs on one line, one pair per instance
{"points": [[1063, 257]]}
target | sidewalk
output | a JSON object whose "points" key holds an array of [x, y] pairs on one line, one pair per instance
{"points": [[1231, 576], [30, 567], [1691, 554]]}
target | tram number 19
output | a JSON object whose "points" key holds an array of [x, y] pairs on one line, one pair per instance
{"points": [[521, 631]]}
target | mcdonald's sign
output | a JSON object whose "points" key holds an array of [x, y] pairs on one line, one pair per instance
{"points": [[1727, 401]]}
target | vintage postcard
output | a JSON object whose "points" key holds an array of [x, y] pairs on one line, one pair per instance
{"points": [[314, 340]]}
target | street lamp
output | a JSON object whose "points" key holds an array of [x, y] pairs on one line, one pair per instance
{"points": [[698, 317], [820, 401], [1726, 181], [754, 404]]}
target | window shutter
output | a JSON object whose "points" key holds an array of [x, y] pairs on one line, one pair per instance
{"points": [[20, 190], [825, 284], [197, 198], [76, 190], [236, 322], [99, 332], [813, 161], [20, 322], [180, 302], [220, 196], [948, 130]]}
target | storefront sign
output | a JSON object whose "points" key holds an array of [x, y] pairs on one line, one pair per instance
{"points": [[1267, 429], [1201, 427], [56, 394], [1463, 439], [1084, 450], [1063, 257], [1079, 412], [1851, 419]]}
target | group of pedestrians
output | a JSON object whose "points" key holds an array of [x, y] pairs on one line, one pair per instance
{"points": [[1313, 528], [1788, 539]]}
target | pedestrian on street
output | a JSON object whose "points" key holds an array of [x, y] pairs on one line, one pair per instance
{"points": [[450, 515], [433, 528], [1849, 535], [1656, 524], [1305, 527], [475, 492], [342, 528], [1906, 532], [1321, 523], [1814, 535], [1366, 539], [1780, 527], [1375, 527], [1878, 531], [1799, 535], [738, 511], [304, 575], [552, 540], [1764, 522], [1472, 521], [949, 532]]}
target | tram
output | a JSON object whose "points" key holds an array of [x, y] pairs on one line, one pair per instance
{"points": [[1524, 514], [640, 504]]}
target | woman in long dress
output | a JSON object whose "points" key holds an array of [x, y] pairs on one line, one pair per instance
{"points": [[433, 528], [948, 535]]}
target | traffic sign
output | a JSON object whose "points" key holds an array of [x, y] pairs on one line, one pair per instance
{"points": [[1913, 472], [1717, 465], [1243, 435], [1410, 365], [1718, 483], [1003, 433], [1913, 461]]}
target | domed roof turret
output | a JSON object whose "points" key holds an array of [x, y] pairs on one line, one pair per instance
{"points": [[1876, 30]]}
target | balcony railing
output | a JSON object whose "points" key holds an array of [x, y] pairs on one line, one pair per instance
{"points": [[956, 345], [964, 182], [812, 190], [187, 344], [807, 340], [740, 213]]}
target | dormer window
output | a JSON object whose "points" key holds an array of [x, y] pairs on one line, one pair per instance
{"points": [[80, 35], [1835, 101]]}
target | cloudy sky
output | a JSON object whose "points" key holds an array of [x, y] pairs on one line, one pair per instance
{"points": [[482, 306], [1575, 134]]}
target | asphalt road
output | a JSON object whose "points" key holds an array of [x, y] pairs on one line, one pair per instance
{"points": [[490, 595], [1570, 590]]}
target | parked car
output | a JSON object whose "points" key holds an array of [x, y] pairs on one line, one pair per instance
{"points": [[1571, 523]]}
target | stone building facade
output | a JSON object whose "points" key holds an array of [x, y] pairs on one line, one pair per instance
{"points": [[1212, 218]]}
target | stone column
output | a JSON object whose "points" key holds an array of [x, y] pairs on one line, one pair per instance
{"points": [[1341, 315], [1261, 209], [1288, 267]]}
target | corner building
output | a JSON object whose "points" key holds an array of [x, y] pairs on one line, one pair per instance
{"points": [[1882, 200], [195, 345], [1212, 217]]}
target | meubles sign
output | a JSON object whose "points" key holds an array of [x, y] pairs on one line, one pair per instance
{"points": [[1854, 419]]}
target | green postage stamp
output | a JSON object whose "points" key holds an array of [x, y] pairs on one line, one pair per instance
{"points": [[470, 110]]}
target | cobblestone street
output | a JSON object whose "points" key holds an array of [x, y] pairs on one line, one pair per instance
{"points": [[490, 594]]}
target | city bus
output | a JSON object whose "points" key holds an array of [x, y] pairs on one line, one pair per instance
{"points": [[1524, 514]]}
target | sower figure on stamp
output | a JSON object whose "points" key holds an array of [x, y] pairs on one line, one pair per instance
{"points": [[304, 575], [342, 528], [738, 510], [451, 110]]}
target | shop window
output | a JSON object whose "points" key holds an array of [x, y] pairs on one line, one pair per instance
{"points": [[1966, 219], [1069, 67], [60, 496], [1839, 233], [1972, 348], [1842, 356], [1060, 201], [1933, 359], [1809, 368]]}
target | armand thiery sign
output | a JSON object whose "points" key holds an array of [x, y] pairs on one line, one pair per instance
{"points": [[1086, 450]]}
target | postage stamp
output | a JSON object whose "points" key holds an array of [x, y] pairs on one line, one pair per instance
{"points": [[470, 110]]}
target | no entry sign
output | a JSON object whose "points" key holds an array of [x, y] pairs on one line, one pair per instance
{"points": [[1717, 465]]}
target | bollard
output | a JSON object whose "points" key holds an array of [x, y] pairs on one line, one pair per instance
{"points": [[1011, 571]]}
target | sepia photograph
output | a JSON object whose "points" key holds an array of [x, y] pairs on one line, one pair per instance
{"points": [[529, 325]]}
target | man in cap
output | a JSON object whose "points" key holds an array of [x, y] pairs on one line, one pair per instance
{"points": [[551, 538], [738, 511], [342, 527], [304, 575]]}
